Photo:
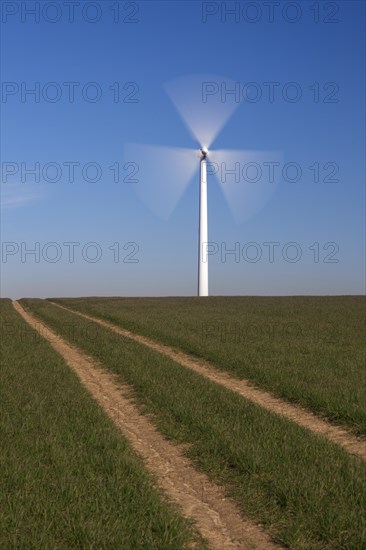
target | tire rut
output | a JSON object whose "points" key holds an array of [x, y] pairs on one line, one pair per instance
{"points": [[216, 516], [303, 417]]}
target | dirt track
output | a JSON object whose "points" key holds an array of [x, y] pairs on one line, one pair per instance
{"points": [[301, 416], [217, 518]]}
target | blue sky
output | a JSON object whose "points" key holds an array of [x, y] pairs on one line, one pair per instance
{"points": [[151, 44]]}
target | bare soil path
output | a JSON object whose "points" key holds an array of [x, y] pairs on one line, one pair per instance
{"points": [[301, 416], [217, 517]]}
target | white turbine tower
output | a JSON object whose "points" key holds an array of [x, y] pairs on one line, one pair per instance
{"points": [[205, 103], [203, 228]]}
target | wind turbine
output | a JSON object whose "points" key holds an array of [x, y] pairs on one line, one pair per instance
{"points": [[172, 169]]}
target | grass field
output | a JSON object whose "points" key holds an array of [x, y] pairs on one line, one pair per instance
{"points": [[69, 479], [309, 350], [307, 492]]}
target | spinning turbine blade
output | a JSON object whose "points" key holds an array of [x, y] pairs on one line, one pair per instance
{"points": [[248, 179], [205, 102], [161, 174]]}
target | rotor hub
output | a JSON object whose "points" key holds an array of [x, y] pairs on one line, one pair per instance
{"points": [[204, 152]]}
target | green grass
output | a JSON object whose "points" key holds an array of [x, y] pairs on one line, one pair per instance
{"points": [[306, 491], [69, 479], [309, 350]]}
